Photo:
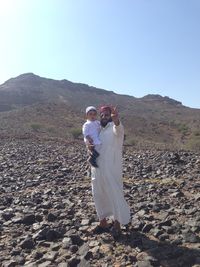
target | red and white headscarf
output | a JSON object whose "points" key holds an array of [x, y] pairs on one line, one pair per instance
{"points": [[104, 108]]}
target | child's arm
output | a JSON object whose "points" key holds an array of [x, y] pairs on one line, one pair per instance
{"points": [[89, 144], [89, 139]]}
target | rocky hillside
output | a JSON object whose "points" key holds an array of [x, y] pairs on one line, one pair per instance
{"points": [[47, 214], [32, 106]]}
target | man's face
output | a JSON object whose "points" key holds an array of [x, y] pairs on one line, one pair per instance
{"points": [[105, 117]]}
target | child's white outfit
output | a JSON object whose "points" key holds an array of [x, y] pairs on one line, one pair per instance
{"points": [[92, 128]]}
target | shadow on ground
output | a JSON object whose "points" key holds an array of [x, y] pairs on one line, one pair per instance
{"points": [[159, 253]]}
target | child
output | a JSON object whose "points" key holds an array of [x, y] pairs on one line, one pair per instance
{"points": [[91, 129]]}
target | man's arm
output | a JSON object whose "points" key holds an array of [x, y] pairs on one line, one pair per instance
{"points": [[115, 116], [118, 128]]}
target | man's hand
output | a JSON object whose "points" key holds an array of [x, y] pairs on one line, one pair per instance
{"points": [[115, 116]]}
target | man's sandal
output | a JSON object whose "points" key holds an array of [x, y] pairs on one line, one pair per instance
{"points": [[99, 229], [116, 233]]}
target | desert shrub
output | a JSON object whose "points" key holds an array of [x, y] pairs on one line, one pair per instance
{"points": [[36, 126], [76, 132], [51, 130], [130, 141], [193, 143], [182, 128], [197, 133]]}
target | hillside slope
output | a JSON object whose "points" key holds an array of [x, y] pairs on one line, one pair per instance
{"points": [[34, 106]]}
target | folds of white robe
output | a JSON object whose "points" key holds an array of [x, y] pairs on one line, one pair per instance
{"points": [[107, 185]]}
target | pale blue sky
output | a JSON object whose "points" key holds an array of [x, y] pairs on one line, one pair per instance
{"points": [[134, 47]]}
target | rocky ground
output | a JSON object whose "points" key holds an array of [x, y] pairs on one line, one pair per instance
{"points": [[47, 214]]}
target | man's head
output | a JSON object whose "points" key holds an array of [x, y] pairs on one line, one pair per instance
{"points": [[105, 115]]}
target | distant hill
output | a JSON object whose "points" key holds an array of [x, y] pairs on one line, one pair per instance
{"points": [[32, 106]]}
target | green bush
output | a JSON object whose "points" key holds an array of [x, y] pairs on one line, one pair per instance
{"points": [[193, 143], [197, 133], [51, 130], [130, 142], [182, 128], [76, 132], [36, 127]]}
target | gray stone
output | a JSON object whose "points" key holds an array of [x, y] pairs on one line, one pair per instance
{"points": [[45, 264], [144, 264], [73, 248], [51, 217], [51, 256], [84, 263], [63, 264], [191, 238], [147, 228], [28, 219], [11, 263], [76, 240], [28, 243], [73, 262]]}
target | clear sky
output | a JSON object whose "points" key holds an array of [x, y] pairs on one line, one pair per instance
{"points": [[134, 47]]}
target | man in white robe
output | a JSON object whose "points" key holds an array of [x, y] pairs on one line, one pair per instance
{"points": [[107, 185]]}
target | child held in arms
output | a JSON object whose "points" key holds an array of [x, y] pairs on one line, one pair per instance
{"points": [[91, 130]]}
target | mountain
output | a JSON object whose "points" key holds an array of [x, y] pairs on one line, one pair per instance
{"points": [[28, 89], [32, 106]]}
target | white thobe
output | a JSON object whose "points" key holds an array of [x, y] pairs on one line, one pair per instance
{"points": [[107, 185]]}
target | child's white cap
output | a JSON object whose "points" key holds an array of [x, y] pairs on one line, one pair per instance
{"points": [[89, 109]]}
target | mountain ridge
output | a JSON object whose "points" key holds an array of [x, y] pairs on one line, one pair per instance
{"points": [[31, 76], [34, 105]]}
